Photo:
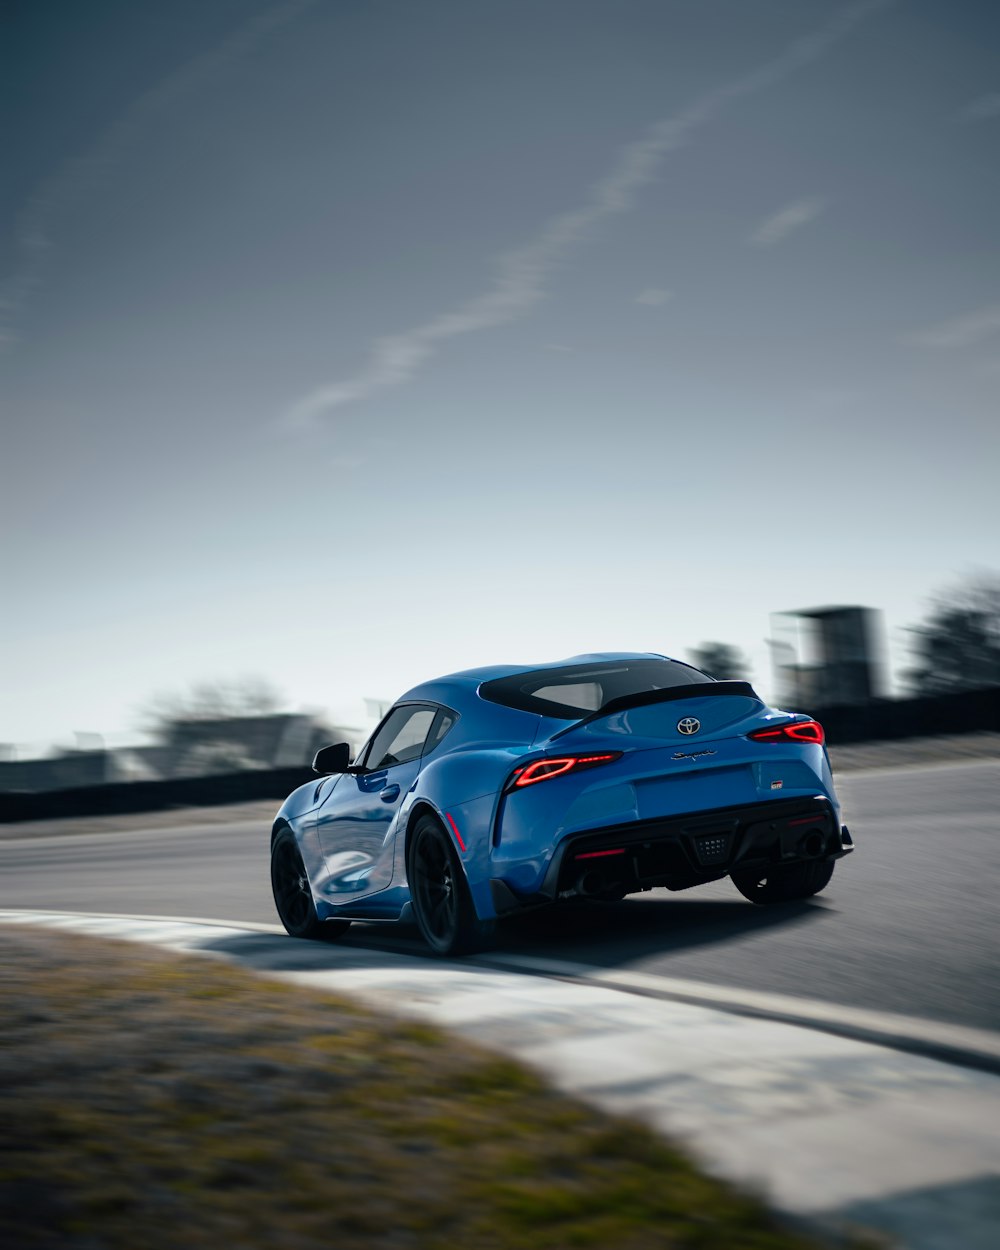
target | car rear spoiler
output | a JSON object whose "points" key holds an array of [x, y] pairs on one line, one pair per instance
{"points": [[693, 690]]}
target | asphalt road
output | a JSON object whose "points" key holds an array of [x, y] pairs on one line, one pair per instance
{"points": [[910, 923]]}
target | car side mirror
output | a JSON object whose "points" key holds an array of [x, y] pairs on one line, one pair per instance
{"points": [[332, 759]]}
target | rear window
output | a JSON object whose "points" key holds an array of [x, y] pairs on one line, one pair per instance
{"points": [[571, 692]]}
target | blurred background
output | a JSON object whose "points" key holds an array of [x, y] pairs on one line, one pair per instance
{"points": [[345, 344]]}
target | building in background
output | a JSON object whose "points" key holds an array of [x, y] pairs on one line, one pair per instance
{"points": [[199, 746], [828, 657]]}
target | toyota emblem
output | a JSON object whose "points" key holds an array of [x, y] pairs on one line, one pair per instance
{"points": [[688, 725]]}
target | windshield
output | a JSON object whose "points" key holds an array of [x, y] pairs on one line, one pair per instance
{"points": [[578, 689]]}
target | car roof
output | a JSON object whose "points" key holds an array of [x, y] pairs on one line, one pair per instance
{"points": [[464, 684]]}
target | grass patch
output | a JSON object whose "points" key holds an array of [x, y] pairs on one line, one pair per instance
{"points": [[148, 1100]]}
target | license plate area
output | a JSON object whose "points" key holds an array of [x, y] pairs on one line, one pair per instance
{"points": [[651, 860]]}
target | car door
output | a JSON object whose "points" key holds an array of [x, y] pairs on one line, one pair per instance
{"points": [[352, 823]]}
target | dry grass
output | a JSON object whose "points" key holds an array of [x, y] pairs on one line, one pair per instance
{"points": [[154, 1101]]}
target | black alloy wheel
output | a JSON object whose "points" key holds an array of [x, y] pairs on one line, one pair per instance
{"points": [[292, 894], [784, 883], [442, 903]]}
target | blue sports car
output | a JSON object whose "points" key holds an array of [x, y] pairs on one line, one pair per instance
{"points": [[491, 791]]}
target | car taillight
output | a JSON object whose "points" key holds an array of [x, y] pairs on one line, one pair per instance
{"points": [[795, 731], [557, 766]]}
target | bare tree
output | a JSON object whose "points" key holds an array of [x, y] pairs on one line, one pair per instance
{"points": [[208, 701], [958, 646], [720, 660]]}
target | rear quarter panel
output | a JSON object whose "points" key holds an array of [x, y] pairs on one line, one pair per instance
{"points": [[464, 785]]}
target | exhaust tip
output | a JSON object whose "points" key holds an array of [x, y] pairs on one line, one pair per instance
{"points": [[812, 844]]}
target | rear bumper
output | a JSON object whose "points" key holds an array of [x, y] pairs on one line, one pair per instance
{"points": [[683, 851]]}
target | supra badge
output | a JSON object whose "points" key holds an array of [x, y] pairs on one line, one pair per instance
{"points": [[688, 725]]}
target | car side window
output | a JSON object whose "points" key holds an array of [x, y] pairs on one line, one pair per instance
{"points": [[401, 737], [443, 722]]}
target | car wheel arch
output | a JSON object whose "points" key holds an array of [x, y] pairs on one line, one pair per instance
{"points": [[467, 930], [277, 827], [422, 807]]}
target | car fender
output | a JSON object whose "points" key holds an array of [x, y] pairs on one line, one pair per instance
{"points": [[293, 815], [301, 801]]}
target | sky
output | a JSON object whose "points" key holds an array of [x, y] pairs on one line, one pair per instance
{"points": [[346, 343]]}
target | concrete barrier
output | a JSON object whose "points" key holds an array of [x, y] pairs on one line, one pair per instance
{"points": [[151, 796], [971, 711]]}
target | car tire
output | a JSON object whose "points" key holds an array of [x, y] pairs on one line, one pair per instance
{"points": [[785, 883], [293, 895], [442, 902]]}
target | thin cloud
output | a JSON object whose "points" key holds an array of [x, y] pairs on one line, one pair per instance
{"points": [[75, 178], [522, 275], [653, 296], [983, 109], [781, 224], [965, 331]]}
